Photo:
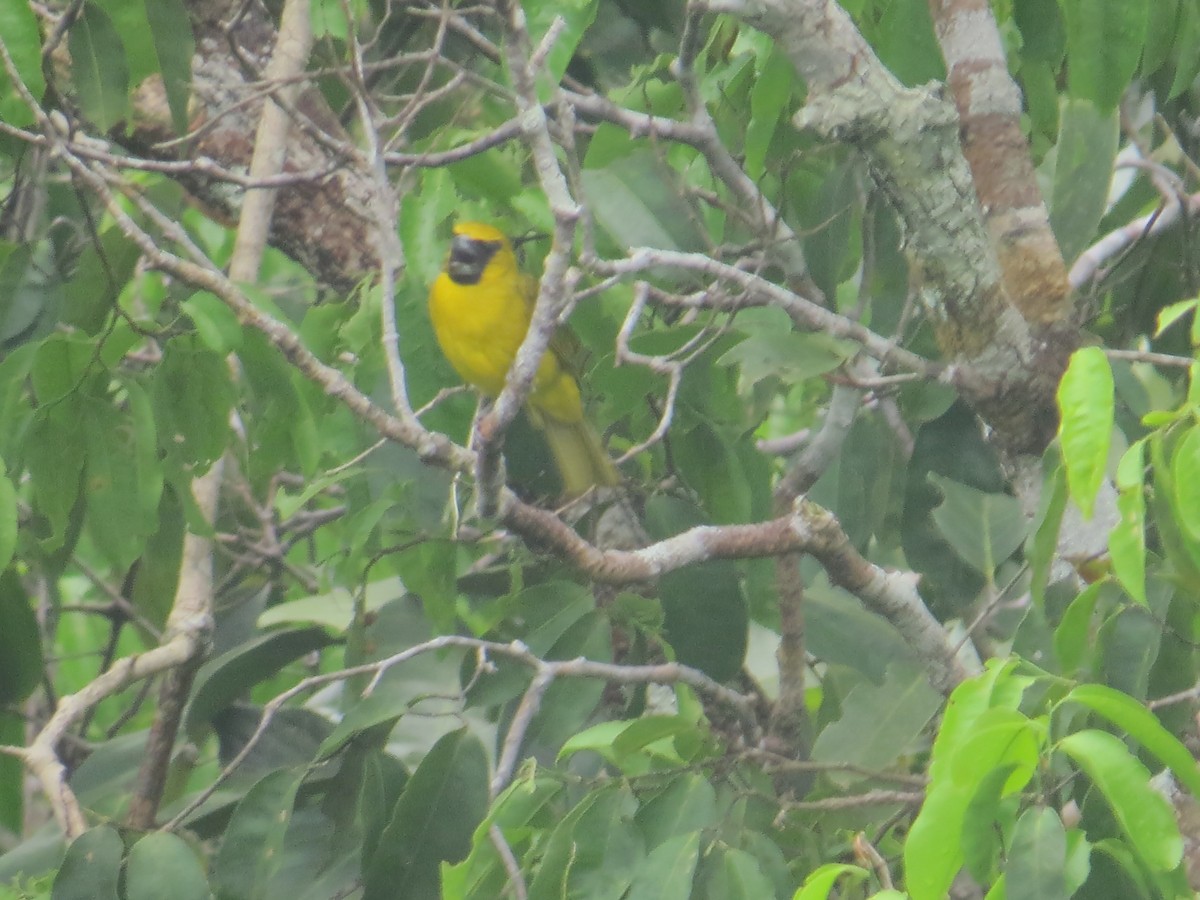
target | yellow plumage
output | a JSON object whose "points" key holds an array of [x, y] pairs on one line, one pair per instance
{"points": [[481, 305]]}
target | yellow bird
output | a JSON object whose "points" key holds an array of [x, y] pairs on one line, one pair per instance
{"points": [[481, 305]]}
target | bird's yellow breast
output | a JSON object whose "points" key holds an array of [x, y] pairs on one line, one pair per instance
{"points": [[480, 328]]}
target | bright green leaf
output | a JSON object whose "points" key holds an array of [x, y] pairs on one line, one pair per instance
{"points": [[818, 884], [1145, 815], [1185, 466], [1143, 726], [1086, 407]]}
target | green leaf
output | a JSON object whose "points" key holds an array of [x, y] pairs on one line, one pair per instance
{"points": [[119, 483], [907, 44], [769, 98], [933, 853], [576, 16], [164, 865], [23, 40], [667, 871], [8, 520], [215, 322], [222, 680], [1043, 33], [1127, 540], [705, 616], [1042, 550], [1145, 815], [103, 270], [1104, 45], [92, 867], [157, 578], [174, 45], [688, 802], [1086, 407], [365, 715], [984, 529], [20, 642], [1037, 856], [637, 201], [442, 803], [1073, 637], [1185, 466], [1161, 31], [1169, 315], [56, 450], [430, 570], [818, 884], [880, 722], [250, 853], [192, 396], [593, 851], [99, 68], [1186, 41], [1087, 147], [734, 874], [1141, 725], [789, 355]]}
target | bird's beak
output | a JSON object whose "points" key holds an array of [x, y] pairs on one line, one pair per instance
{"points": [[468, 259]]}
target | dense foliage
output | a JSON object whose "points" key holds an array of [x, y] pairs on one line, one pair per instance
{"points": [[899, 597]]}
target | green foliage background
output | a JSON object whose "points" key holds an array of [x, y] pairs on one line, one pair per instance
{"points": [[1034, 779]]}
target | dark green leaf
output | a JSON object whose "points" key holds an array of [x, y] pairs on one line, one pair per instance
{"points": [[1104, 44], [163, 865], [1042, 30], [250, 849], [1037, 857], [20, 642], [1087, 146], [705, 616], [443, 801], [220, 681], [121, 480], [880, 722], [593, 851], [666, 872], [99, 68], [192, 400], [103, 270], [173, 44], [92, 866], [984, 529]]}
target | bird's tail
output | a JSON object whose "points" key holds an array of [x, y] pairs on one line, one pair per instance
{"points": [[579, 456]]}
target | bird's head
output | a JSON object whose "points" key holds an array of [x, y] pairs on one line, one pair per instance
{"points": [[473, 246]]}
